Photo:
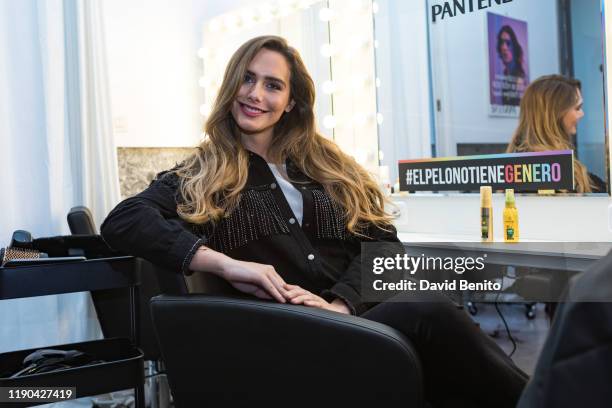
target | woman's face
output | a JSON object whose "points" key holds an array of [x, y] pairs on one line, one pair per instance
{"points": [[264, 95], [572, 117], [505, 48]]}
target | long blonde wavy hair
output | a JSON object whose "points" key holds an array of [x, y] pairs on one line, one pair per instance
{"points": [[543, 106], [214, 176]]}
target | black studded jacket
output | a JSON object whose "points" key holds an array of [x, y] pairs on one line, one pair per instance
{"points": [[320, 255]]}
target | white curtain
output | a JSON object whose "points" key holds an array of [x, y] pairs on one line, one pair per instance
{"points": [[56, 148], [93, 151]]}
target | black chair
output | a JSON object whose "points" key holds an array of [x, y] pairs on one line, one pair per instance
{"points": [[244, 351], [80, 221], [574, 368]]}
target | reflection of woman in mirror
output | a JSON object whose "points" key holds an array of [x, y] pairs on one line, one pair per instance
{"points": [[550, 111], [279, 212], [511, 54]]}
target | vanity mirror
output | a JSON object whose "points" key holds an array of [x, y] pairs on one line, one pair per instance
{"points": [[451, 74], [339, 58]]}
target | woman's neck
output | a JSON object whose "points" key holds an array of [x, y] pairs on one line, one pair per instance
{"points": [[258, 143]]}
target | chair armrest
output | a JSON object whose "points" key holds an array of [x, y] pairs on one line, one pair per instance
{"points": [[228, 348]]}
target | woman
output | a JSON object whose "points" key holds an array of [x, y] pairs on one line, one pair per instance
{"points": [[550, 111], [510, 52], [279, 212]]}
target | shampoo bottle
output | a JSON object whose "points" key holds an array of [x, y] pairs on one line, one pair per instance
{"points": [[486, 214], [511, 222]]}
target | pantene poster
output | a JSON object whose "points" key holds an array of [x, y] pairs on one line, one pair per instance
{"points": [[508, 64]]}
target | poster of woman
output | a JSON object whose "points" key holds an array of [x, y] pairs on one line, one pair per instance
{"points": [[508, 64]]}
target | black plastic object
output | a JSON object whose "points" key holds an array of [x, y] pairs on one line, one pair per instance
{"points": [[21, 239], [90, 246], [120, 367], [47, 360], [41, 261], [53, 279], [225, 352], [124, 366], [80, 221]]}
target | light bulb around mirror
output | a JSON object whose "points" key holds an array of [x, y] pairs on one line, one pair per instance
{"points": [[329, 122], [375, 7]]}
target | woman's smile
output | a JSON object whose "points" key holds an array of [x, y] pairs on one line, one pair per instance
{"points": [[250, 110]]}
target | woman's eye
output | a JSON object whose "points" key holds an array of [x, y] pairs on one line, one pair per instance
{"points": [[248, 78], [274, 86]]}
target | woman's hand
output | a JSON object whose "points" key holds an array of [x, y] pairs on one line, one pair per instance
{"points": [[249, 277], [300, 296], [254, 278]]}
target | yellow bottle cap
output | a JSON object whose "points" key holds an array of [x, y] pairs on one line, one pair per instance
{"points": [[486, 193], [510, 197]]}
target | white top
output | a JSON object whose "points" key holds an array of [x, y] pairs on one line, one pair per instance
{"points": [[293, 196]]}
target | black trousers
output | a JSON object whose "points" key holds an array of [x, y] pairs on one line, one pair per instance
{"points": [[463, 366]]}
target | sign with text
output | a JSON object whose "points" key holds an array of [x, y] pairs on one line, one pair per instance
{"points": [[551, 170]]}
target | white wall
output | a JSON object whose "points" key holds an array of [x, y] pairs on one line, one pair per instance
{"points": [[460, 66]]}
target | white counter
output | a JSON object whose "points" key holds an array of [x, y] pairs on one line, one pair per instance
{"points": [[456, 217]]}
